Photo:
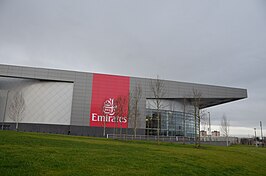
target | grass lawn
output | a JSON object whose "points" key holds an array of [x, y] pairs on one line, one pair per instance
{"points": [[47, 154]]}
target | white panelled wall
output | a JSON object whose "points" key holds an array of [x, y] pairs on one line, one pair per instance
{"points": [[45, 102]]}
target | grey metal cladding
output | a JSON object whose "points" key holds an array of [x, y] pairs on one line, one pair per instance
{"points": [[3, 69], [81, 99], [54, 74], [27, 72], [67, 75], [87, 100], [141, 82], [37, 73], [180, 90], [41, 74], [83, 83]]}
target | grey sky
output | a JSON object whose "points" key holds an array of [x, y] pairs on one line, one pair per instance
{"points": [[221, 42]]}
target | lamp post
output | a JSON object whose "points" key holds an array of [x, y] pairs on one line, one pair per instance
{"points": [[209, 129], [261, 133], [255, 137]]}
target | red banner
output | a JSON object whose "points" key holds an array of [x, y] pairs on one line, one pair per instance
{"points": [[109, 103]]}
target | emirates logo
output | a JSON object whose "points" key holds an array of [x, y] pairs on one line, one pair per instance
{"points": [[109, 107]]}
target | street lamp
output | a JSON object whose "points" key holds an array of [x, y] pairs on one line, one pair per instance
{"points": [[209, 129], [255, 137], [261, 132]]}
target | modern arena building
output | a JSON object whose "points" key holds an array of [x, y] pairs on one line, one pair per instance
{"points": [[80, 103]]}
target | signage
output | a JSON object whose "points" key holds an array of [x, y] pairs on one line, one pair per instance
{"points": [[106, 105]]}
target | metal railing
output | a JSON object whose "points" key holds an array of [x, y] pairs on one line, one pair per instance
{"points": [[150, 138]]}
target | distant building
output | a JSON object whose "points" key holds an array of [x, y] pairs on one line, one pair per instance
{"points": [[216, 133], [247, 141], [203, 133]]}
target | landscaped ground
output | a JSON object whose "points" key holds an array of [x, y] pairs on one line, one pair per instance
{"points": [[45, 154]]}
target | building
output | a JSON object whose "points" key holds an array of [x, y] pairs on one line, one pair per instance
{"points": [[79, 103], [203, 133], [216, 133]]}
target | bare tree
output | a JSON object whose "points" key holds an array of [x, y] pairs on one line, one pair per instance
{"points": [[108, 109], [225, 128], [184, 118], [129, 113], [16, 108], [104, 119], [158, 91], [196, 104], [136, 95], [121, 103], [204, 119]]}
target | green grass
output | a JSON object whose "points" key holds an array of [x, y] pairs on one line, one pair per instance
{"points": [[45, 154]]}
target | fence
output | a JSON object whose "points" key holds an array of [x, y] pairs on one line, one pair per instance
{"points": [[231, 140], [151, 138], [219, 141]]}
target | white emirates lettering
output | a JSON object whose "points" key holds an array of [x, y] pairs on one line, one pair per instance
{"points": [[100, 118]]}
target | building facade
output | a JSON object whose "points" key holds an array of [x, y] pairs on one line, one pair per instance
{"points": [[80, 103]]}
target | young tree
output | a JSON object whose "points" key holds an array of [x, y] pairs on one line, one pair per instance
{"points": [[104, 119], [121, 103], [158, 91], [136, 95], [204, 119], [225, 128], [108, 109], [129, 113], [184, 118], [16, 108], [196, 104]]}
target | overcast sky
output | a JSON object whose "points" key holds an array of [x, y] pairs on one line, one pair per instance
{"points": [[219, 42]]}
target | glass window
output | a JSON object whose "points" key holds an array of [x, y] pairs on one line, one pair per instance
{"points": [[171, 123]]}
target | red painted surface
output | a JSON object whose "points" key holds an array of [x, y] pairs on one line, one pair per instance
{"points": [[106, 89]]}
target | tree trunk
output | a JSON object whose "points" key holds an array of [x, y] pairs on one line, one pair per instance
{"points": [[199, 127], [104, 124], [158, 127], [120, 130], [184, 121], [195, 125], [104, 131], [17, 126], [135, 133], [135, 124], [126, 134]]}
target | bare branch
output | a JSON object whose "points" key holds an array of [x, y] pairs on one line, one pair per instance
{"points": [[136, 95], [225, 128], [158, 91], [197, 115], [16, 108], [121, 103]]}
